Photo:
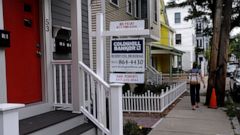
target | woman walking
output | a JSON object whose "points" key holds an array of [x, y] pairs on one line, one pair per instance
{"points": [[194, 80]]}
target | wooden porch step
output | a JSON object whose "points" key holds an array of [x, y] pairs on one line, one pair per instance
{"points": [[79, 129], [36, 123]]}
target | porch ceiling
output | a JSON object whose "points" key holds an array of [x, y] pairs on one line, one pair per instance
{"points": [[161, 49]]}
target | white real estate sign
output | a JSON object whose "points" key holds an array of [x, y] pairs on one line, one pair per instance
{"points": [[127, 25], [127, 56]]}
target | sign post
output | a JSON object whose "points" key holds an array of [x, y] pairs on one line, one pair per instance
{"points": [[127, 28]]}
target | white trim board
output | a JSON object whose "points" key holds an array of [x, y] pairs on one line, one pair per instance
{"points": [[47, 55], [3, 87]]}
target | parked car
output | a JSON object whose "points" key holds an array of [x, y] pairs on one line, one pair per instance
{"points": [[235, 84], [230, 69]]}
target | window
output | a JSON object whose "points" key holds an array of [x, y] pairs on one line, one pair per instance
{"points": [[177, 17], [137, 8], [129, 6], [178, 39], [199, 27], [199, 43], [155, 10], [115, 2], [144, 9]]}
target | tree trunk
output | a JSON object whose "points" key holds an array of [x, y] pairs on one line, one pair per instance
{"points": [[214, 49], [223, 53]]}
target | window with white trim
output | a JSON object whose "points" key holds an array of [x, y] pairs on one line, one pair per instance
{"points": [[177, 17], [115, 2], [178, 38], [199, 43], [129, 6]]}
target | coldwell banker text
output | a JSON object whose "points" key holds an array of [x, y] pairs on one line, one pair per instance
{"points": [[127, 46]]}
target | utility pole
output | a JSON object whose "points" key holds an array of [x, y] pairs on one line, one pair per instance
{"points": [[214, 49]]}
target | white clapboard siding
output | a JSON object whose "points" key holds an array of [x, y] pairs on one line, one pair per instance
{"points": [[150, 102]]}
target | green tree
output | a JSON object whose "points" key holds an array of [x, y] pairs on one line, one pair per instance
{"points": [[222, 22]]}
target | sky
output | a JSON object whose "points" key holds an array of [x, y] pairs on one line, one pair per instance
{"points": [[235, 31]]}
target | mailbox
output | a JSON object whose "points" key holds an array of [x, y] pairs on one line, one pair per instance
{"points": [[63, 46], [4, 38]]}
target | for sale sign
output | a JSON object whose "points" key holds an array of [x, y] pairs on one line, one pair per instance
{"points": [[126, 78], [127, 55]]}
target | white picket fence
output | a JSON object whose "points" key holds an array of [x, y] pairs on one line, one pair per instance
{"points": [[150, 102]]}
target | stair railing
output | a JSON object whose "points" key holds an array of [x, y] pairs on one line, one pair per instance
{"points": [[98, 105], [153, 76]]}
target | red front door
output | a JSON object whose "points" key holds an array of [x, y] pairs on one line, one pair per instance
{"points": [[23, 68]]}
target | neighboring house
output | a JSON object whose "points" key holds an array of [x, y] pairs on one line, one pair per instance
{"points": [[165, 58], [46, 68], [190, 36], [202, 42], [185, 34], [123, 10]]}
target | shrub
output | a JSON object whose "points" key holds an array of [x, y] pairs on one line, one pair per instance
{"points": [[142, 88], [139, 89], [131, 128], [157, 89], [125, 88]]}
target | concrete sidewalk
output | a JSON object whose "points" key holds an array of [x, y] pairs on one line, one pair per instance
{"points": [[202, 121]]}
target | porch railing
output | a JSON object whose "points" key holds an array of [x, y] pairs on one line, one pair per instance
{"points": [[150, 102], [62, 83], [97, 96], [153, 76]]}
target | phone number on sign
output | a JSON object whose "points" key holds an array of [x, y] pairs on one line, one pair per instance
{"points": [[126, 62]]}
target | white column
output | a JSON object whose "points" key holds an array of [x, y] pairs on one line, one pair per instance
{"points": [[116, 109], [9, 120], [101, 107], [77, 81], [100, 48], [3, 89], [46, 46]]}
